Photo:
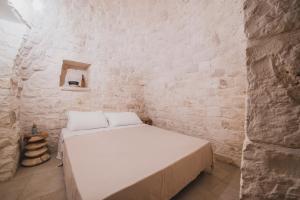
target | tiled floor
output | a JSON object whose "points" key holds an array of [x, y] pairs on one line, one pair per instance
{"points": [[46, 182], [222, 184]]}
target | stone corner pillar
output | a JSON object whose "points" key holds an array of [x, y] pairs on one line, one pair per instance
{"points": [[271, 154], [9, 151]]}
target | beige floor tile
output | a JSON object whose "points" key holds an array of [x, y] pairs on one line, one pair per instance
{"points": [[51, 164], [234, 181], [10, 195], [224, 188], [228, 194], [198, 189], [45, 183], [196, 195], [12, 189], [224, 171], [57, 195], [222, 183]]}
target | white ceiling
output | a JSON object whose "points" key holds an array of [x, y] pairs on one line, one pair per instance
{"points": [[7, 13]]}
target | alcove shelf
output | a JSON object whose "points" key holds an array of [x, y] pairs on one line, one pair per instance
{"points": [[74, 71], [75, 89]]}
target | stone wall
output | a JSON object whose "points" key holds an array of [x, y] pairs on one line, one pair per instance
{"points": [[10, 40], [185, 63], [93, 32], [197, 72], [271, 155]]}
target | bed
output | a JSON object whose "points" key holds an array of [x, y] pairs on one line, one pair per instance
{"points": [[131, 162]]}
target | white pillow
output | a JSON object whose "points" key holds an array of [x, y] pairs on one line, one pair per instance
{"points": [[122, 118], [86, 120]]}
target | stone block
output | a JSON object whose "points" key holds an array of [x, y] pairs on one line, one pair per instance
{"points": [[273, 69], [9, 135], [9, 156], [271, 17], [4, 120], [270, 172], [10, 41]]}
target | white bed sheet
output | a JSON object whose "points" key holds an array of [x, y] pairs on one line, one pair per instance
{"points": [[65, 133], [137, 163]]}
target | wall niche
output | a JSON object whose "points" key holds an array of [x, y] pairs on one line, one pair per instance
{"points": [[74, 76]]}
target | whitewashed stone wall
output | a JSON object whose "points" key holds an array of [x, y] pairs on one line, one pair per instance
{"points": [[197, 72], [183, 59], [10, 40], [93, 32], [271, 155]]}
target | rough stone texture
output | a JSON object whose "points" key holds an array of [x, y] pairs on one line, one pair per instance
{"points": [[197, 80], [85, 31], [185, 63], [10, 40], [273, 66], [270, 166], [270, 172], [271, 17]]}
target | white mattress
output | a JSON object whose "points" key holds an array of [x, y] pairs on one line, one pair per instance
{"points": [[134, 163]]}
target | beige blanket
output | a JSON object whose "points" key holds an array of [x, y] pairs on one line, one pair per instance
{"points": [[132, 163]]}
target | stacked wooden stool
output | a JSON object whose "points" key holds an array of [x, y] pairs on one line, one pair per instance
{"points": [[36, 150]]}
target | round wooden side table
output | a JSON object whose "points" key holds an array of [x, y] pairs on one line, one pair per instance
{"points": [[36, 150]]}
